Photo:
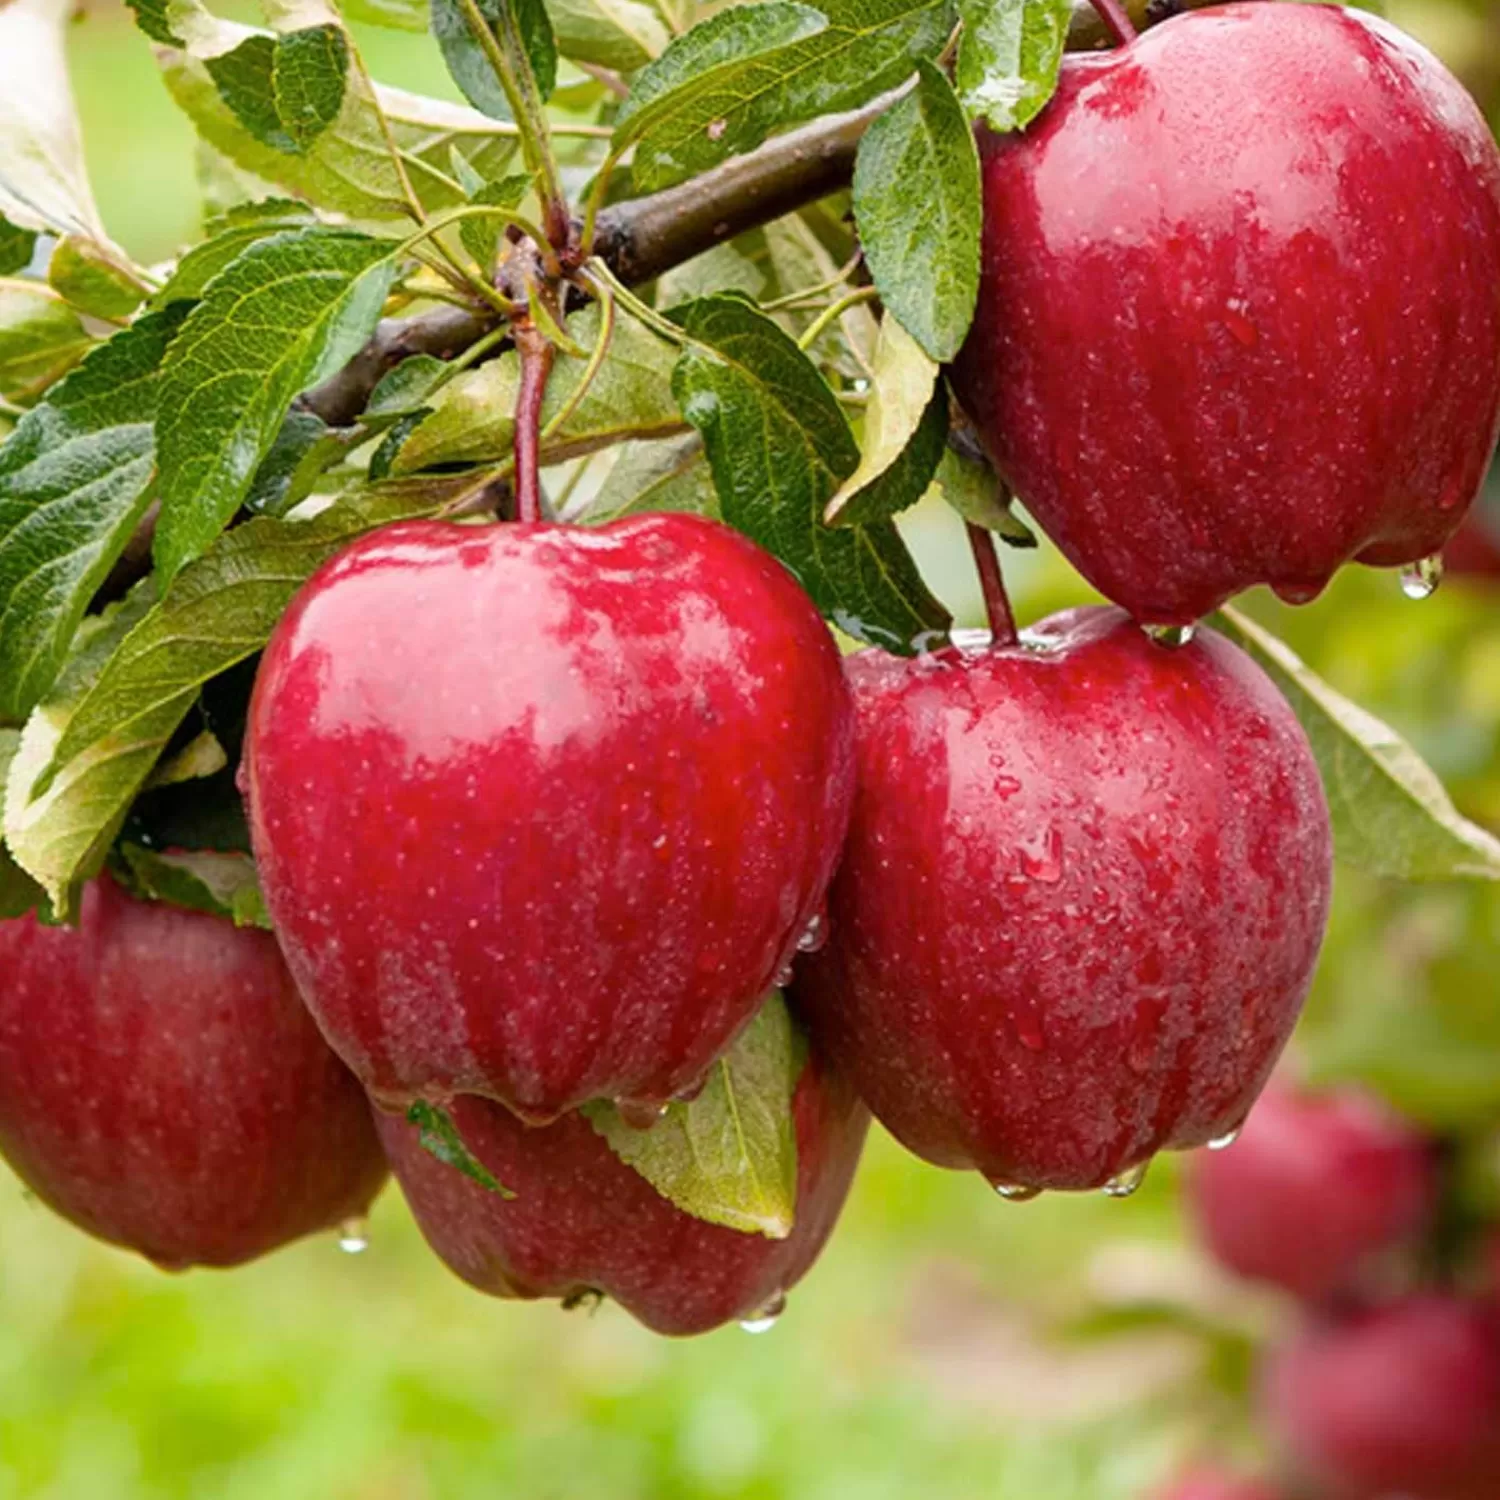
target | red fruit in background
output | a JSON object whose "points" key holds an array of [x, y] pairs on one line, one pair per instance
{"points": [[582, 1221], [1082, 898], [1400, 1400], [1313, 1188], [1218, 1484], [1239, 316], [1474, 551], [541, 812], [162, 1085]]}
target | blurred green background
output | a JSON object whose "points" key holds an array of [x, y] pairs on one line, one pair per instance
{"points": [[948, 1345]]}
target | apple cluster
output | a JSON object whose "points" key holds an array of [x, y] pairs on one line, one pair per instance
{"points": [[542, 813], [1390, 1384]]}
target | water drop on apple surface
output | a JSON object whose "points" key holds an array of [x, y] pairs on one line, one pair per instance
{"points": [[1016, 1192], [764, 1320], [1420, 580], [1173, 637], [1225, 1141], [1123, 1184], [354, 1236]]}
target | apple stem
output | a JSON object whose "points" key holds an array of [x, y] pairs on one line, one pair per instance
{"points": [[536, 365], [996, 602], [1116, 21]]}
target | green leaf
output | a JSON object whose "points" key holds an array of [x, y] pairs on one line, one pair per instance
{"points": [[41, 339], [348, 168], [469, 63], [917, 204], [153, 17], [407, 387], [619, 34], [17, 246], [19, 893], [398, 15], [473, 419], [1391, 815], [288, 313], [239, 229], [311, 71], [74, 481], [973, 489], [303, 449], [730, 1155], [1009, 57], [905, 433], [245, 83], [780, 447], [670, 475], [481, 237], [439, 1136], [223, 885], [43, 182], [94, 280], [867, 47], [112, 719]]}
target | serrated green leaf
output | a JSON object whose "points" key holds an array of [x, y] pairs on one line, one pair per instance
{"points": [[917, 204], [223, 885], [398, 15], [111, 719], [94, 280], [905, 433], [43, 181], [466, 57], [973, 489], [244, 80], [707, 105], [730, 1155], [310, 73], [304, 448], [19, 893], [231, 237], [671, 475], [348, 168], [439, 1136], [779, 447], [74, 481], [17, 246], [407, 387], [203, 756], [153, 17], [619, 34], [41, 339], [1009, 57], [288, 313], [481, 237], [1391, 814], [472, 420]]}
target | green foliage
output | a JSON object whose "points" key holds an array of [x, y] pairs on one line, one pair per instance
{"points": [[16, 248], [917, 202], [229, 237], [730, 1155], [285, 90], [93, 280], [520, 29], [41, 339], [223, 885], [620, 34], [1009, 58], [282, 317], [440, 1137], [780, 447], [481, 236]]}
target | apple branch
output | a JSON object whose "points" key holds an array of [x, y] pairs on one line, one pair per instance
{"points": [[536, 354]]}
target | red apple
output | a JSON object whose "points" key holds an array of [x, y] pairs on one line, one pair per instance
{"points": [[1239, 316], [1313, 1188], [162, 1085], [1218, 1484], [1081, 901], [582, 1221], [1400, 1400], [542, 812]]}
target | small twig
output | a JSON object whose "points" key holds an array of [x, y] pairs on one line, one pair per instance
{"points": [[996, 602], [812, 293], [608, 77], [833, 312], [1116, 21], [591, 369], [537, 355]]}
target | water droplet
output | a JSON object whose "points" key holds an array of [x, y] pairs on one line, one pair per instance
{"points": [[765, 1320], [354, 1236], [1042, 858], [1123, 1184], [1172, 636], [1016, 1192], [1420, 580], [971, 640], [815, 934], [1225, 1141], [640, 1114], [782, 977]]}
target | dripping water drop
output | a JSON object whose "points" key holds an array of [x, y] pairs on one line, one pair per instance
{"points": [[765, 1320], [1172, 636], [1420, 580], [1016, 1192], [815, 935], [1225, 1141], [354, 1236], [1123, 1184]]}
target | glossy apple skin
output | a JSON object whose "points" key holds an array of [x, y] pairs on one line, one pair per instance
{"points": [[542, 812], [1218, 1484], [1400, 1400], [1081, 901], [1314, 1188], [582, 1221], [162, 1085], [1239, 313]]}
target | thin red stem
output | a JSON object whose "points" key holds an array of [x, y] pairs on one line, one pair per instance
{"points": [[1116, 21], [536, 365], [996, 603]]}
